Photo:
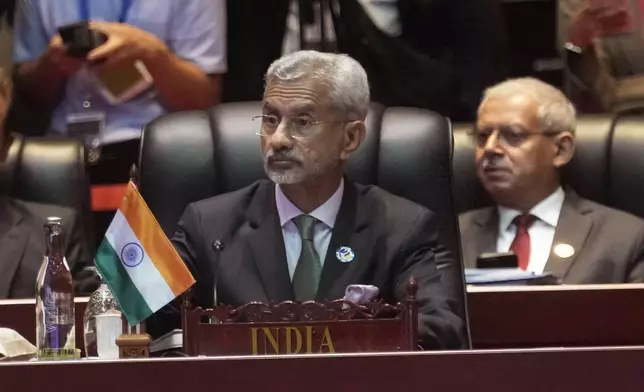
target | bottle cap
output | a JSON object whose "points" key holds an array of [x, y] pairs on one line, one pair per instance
{"points": [[53, 225]]}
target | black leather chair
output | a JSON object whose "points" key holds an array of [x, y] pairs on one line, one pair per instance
{"points": [[626, 165], [50, 171], [189, 156], [588, 173]]}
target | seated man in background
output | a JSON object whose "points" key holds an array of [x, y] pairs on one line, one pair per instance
{"points": [[524, 135], [181, 44], [309, 232], [22, 237]]}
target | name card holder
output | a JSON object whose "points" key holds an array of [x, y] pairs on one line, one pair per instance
{"points": [[301, 327]]}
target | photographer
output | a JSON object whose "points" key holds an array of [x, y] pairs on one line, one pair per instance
{"points": [[179, 46], [122, 64]]}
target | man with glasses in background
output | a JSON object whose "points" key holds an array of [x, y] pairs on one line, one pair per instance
{"points": [[524, 136], [309, 232]]}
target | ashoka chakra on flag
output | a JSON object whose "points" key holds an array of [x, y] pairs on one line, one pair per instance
{"points": [[132, 254]]}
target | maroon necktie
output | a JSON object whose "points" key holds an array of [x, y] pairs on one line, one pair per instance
{"points": [[521, 244]]}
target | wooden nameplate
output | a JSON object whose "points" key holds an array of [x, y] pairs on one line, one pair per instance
{"points": [[302, 327]]}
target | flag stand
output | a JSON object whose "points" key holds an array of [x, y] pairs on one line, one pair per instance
{"points": [[134, 342]]}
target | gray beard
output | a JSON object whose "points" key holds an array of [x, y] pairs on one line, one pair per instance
{"points": [[288, 177]]}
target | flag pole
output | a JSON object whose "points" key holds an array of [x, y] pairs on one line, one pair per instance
{"points": [[134, 175], [134, 179]]}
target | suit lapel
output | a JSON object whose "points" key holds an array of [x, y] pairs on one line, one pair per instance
{"points": [[14, 232], [267, 244], [484, 237], [349, 230], [573, 228]]}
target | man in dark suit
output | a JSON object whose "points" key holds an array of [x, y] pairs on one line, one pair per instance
{"points": [[22, 246], [309, 233], [22, 236], [524, 135]]}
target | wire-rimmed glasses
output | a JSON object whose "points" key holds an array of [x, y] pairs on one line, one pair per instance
{"points": [[508, 135], [301, 127]]}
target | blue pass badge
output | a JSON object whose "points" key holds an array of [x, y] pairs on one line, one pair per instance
{"points": [[345, 254]]}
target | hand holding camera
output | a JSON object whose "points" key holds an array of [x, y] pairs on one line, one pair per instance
{"points": [[105, 44], [125, 44], [116, 52], [57, 56]]}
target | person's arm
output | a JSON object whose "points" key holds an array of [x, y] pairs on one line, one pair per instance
{"points": [[438, 326], [582, 22], [571, 28], [186, 70], [44, 79], [42, 63], [180, 83], [635, 271]]}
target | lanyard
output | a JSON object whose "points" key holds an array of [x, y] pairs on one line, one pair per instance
{"points": [[83, 5]]}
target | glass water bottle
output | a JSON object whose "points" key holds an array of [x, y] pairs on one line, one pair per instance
{"points": [[55, 328]]}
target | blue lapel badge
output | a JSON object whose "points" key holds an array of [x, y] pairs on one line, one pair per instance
{"points": [[345, 254]]}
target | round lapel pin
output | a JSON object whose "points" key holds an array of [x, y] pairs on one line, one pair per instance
{"points": [[564, 250], [345, 254]]}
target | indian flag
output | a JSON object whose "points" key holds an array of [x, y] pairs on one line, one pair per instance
{"points": [[138, 262]]}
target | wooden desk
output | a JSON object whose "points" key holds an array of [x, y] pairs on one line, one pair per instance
{"points": [[596, 370], [500, 317], [556, 316]]}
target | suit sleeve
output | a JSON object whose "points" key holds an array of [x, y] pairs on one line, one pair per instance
{"points": [[77, 249], [79, 257], [635, 273], [188, 240], [438, 326]]}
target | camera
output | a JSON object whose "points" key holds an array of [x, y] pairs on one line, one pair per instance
{"points": [[80, 39]]}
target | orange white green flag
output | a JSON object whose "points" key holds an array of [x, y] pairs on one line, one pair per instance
{"points": [[138, 262]]}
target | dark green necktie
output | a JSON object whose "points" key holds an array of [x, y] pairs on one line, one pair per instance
{"points": [[308, 269]]}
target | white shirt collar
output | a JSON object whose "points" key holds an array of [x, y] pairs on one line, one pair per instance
{"points": [[547, 210], [325, 213]]}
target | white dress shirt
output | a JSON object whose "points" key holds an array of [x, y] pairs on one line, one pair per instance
{"points": [[325, 214], [542, 231]]}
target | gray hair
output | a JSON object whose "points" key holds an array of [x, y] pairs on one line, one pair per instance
{"points": [[343, 76], [556, 112]]}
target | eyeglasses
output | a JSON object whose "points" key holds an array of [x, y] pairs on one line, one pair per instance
{"points": [[300, 127], [509, 135]]}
